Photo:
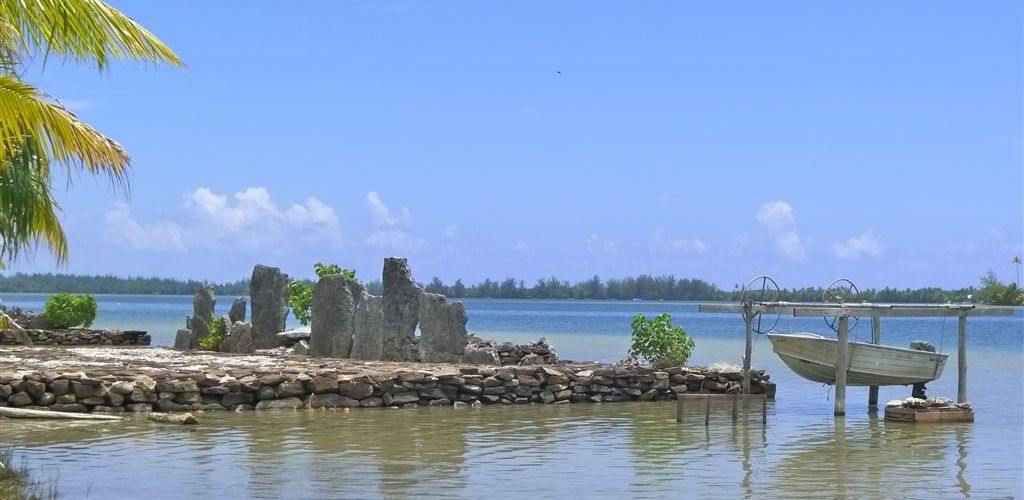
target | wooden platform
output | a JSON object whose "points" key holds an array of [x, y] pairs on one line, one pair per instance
{"points": [[938, 414]]}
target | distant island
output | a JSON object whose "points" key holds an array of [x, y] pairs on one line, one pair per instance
{"points": [[643, 287]]}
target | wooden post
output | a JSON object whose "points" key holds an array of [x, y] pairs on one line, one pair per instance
{"points": [[679, 407], [841, 364], [707, 411], [764, 411], [735, 399], [876, 338], [961, 360], [748, 317]]}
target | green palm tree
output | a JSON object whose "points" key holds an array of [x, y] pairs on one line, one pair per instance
{"points": [[36, 131], [1016, 262]]}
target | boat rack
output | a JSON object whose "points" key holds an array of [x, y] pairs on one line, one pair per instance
{"points": [[753, 310]]}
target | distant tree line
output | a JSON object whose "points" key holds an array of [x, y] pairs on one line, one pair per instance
{"points": [[73, 283], [645, 287]]}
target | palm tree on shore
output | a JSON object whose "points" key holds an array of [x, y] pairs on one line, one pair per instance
{"points": [[1016, 262], [37, 132]]}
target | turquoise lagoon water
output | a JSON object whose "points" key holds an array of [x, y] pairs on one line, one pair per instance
{"points": [[598, 450]]}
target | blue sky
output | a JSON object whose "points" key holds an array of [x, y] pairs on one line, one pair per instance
{"points": [[877, 141]]}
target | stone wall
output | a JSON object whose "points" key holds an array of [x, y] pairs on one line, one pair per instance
{"points": [[118, 391], [79, 336]]}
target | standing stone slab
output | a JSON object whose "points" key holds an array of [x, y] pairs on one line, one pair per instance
{"points": [[237, 312], [368, 338], [268, 290], [332, 321], [183, 339], [238, 338], [202, 314], [400, 306], [442, 329]]}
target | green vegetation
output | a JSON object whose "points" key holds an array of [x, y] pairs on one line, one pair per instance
{"points": [[37, 132], [15, 482], [642, 287], [215, 334], [65, 310], [300, 293], [658, 342], [994, 291]]}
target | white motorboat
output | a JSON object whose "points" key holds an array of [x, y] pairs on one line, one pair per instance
{"points": [[813, 357]]}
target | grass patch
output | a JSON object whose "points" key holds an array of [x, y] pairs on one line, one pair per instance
{"points": [[16, 482]]}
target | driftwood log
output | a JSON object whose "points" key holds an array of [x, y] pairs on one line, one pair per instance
{"points": [[57, 415], [173, 418]]}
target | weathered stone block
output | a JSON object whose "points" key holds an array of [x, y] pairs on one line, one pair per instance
{"points": [[333, 317], [280, 404], [400, 306], [268, 289], [442, 329], [368, 334]]}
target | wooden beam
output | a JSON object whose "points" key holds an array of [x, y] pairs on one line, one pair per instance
{"points": [[53, 415], [864, 309], [747, 350], [842, 361], [876, 338], [961, 360]]}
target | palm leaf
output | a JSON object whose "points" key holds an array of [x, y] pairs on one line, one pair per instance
{"points": [[59, 136], [28, 211], [82, 30]]}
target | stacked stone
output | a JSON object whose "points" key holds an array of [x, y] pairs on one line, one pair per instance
{"points": [[539, 352], [328, 388], [79, 336]]}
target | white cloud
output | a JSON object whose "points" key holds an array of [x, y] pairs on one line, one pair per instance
{"points": [[596, 244], [449, 232], [383, 215], [122, 228], [247, 221], [858, 246], [662, 242], [392, 229], [777, 218], [522, 247]]}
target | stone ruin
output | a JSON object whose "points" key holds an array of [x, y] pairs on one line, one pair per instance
{"points": [[348, 322]]}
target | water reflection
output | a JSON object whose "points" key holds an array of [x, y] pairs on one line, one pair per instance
{"points": [[611, 449]]}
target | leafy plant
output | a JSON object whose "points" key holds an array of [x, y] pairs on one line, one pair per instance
{"points": [[300, 294], [65, 310], [657, 341], [215, 334]]}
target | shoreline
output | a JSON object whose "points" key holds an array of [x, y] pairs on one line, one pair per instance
{"points": [[143, 379]]}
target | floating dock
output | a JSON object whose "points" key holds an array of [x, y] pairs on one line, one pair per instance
{"points": [[933, 414]]}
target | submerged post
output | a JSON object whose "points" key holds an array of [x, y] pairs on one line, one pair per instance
{"points": [[841, 364], [876, 338], [961, 360], [748, 319]]}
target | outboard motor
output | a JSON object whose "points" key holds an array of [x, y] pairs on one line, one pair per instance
{"points": [[918, 391]]}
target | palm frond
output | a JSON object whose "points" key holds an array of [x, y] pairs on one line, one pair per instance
{"points": [[83, 30], [59, 136], [28, 211]]}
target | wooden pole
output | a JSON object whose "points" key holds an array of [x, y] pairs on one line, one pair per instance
{"points": [[735, 400], [679, 407], [707, 411], [748, 348], [764, 411], [961, 360], [876, 338], [841, 363]]}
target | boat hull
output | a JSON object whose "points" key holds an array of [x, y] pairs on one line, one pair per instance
{"points": [[813, 357]]}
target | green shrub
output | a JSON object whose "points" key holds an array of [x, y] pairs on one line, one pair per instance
{"points": [[657, 341], [300, 295], [65, 310], [214, 335]]}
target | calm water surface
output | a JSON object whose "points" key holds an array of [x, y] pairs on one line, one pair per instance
{"points": [[600, 450]]}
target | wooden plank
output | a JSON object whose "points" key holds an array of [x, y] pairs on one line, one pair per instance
{"points": [[929, 415], [747, 350], [961, 360], [864, 309], [695, 395], [876, 338], [53, 415], [842, 362]]}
